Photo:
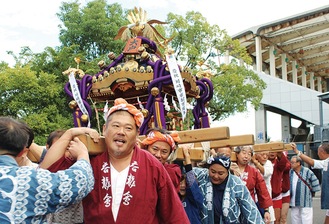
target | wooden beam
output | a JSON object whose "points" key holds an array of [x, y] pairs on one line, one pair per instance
{"points": [[272, 147], [204, 134], [196, 155], [233, 157], [189, 136], [197, 152], [268, 146], [201, 135], [237, 140], [94, 148]]}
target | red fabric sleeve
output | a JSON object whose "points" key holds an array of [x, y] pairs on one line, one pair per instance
{"points": [[276, 180], [286, 178], [61, 164], [263, 195], [175, 174]]}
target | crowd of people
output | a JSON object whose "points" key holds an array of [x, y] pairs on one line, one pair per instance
{"points": [[135, 181]]}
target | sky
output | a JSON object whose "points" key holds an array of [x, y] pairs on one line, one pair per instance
{"points": [[34, 24]]}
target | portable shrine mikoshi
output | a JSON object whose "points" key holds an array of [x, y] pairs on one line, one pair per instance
{"points": [[154, 83]]}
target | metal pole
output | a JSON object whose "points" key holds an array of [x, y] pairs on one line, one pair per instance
{"points": [[321, 119]]}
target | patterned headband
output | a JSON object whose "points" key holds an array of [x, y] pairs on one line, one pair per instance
{"points": [[155, 136], [221, 160], [121, 104]]}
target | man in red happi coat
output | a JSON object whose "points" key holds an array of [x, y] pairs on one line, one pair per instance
{"points": [[131, 186]]}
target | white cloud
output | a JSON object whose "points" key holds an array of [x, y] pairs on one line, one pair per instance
{"points": [[37, 15], [27, 23]]}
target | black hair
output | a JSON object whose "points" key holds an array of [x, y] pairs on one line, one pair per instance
{"points": [[53, 135], [14, 135], [31, 136]]}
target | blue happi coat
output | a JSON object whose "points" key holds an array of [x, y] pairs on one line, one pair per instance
{"points": [[238, 206], [193, 201], [303, 195], [28, 194]]}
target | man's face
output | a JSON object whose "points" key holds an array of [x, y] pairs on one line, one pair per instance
{"points": [[262, 157], [294, 163], [272, 155], [120, 134], [160, 150]]}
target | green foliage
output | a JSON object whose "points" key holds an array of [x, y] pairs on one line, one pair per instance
{"points": [[91, 28], [35, 99], [3, 66], [24, 57], [191, 37], [234, 87]]}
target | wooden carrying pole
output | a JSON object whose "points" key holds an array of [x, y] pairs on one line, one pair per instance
{"points": [[190, 136], [272, 147], [267, 147], [197, 152], [217, 137]]}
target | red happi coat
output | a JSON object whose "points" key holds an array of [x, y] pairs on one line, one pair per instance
{"points": [[276, 180], [256, 185], [149, 195], [286, 178], [175, 174]]}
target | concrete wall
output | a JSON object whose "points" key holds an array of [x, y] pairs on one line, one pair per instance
{"points": [[294, 99]]}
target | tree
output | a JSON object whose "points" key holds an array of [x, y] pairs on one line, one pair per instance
{"points": [[234, 87], [91, 28], [199, 44], [34, 99]]}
